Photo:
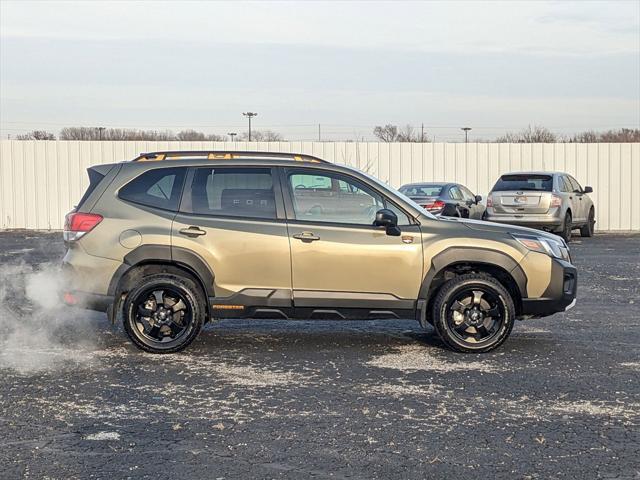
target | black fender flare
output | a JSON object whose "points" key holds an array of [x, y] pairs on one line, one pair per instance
{"points": [[165, 254], [479, 255]]}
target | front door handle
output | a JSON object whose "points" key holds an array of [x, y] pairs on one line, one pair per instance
{"points": [[306, 236], [192, 232]]}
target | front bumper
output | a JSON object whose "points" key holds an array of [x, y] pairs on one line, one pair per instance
{"points": [[559, 296]]}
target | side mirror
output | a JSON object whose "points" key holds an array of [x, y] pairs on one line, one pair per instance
{"points": [[478, 198], [386, 218], [588, 189]]}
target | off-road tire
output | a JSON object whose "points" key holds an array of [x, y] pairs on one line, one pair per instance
{"points": [[193, 297], [444, 300], [587, 229], [565, 233]]}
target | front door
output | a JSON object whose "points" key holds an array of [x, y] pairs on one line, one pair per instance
{"points": [[233, 218], [339, 258]]}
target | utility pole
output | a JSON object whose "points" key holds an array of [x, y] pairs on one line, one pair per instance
{"points": [[422, 134], [250, 115], [466, 133], [319, 136], [100, 130], [232, 135]]}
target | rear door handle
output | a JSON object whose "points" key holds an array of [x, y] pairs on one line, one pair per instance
{"points": [[306, 237], [192, 232]]}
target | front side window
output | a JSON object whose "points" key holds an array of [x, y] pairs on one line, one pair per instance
{"points": [[323, 197], [575, 185], [233, 192], [158, 188]]}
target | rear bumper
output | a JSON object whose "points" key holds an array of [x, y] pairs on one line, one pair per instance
{"points": [[535, 221], [88, 301], [559, 296]]}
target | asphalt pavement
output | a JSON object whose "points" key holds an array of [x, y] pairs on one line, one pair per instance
{"points": [[316, 399]]}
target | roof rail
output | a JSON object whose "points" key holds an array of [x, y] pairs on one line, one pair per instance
{"points": [[225, 155]]}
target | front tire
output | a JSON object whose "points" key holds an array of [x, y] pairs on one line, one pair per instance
{"points": [[473, 313], [165, 313], [587, 229]]}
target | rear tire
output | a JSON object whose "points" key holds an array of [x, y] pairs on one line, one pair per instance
{"points": [[164, 313], [473, 313], [566, 228], [587, 229]]}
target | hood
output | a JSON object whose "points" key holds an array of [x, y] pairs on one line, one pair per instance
{"points": [[500, 227]]}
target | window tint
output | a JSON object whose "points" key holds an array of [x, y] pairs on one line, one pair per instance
{"points": [[159, 188], [331, 198], [455, 193], [575, 186], [235, 192], [543, 183], [422, 190], [403, 218]]}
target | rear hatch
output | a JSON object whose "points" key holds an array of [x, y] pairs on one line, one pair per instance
{"points": [[522, 193]]}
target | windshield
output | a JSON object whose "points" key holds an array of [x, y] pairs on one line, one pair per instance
{"points": [[393, 192], [536, 182], [422, 190]]}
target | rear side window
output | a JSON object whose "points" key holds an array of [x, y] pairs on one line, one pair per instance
{"points": [[232, 192], [158, 188], [542, 183], [95, 178], [455, 193]]}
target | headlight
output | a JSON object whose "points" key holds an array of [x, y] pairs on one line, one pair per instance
{"points": [[554, 248]]}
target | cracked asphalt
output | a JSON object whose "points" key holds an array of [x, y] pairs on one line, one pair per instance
{"points": [[358, 400]]}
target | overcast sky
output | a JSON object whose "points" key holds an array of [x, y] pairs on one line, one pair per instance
{"points": [[493, 66]]}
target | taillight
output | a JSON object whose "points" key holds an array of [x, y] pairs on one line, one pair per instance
{"points": [[435, 206], [489, 201], [78, 224], [556, 201]]}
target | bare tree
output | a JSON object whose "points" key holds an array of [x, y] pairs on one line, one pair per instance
{"points": [[93, 133], [212, 137], [190, 136], [533, 134], [408, 134], [388, 133], [37, 135], [262, 136], [624, 135]]}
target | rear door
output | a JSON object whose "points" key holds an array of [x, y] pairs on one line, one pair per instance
{"points": [[526, 193], [339, 258], [233, 218], [580, 214]]}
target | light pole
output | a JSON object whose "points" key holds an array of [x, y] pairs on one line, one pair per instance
{"points": [[250, 115], [232, 135], [466, 133], [100, 130]]}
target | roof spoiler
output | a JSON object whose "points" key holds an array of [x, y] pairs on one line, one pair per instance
{"points": [[226, 155]]}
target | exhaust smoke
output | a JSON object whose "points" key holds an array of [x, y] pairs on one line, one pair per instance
{"points": [[37, 331]]}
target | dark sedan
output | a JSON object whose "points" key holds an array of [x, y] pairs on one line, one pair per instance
{"points": [[447, 199]]}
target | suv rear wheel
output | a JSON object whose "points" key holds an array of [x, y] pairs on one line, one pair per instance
{"points": [[473, 313], [566, 228], [587, 229], [164, 313]]}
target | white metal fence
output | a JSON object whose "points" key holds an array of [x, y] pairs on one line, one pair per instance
{"points": [[40, 181]]}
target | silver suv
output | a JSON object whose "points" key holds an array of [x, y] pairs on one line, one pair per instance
{"points": [[552, 201]]}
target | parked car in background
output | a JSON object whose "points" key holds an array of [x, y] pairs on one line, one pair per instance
{"points": [[447, 199], [551, 201]]}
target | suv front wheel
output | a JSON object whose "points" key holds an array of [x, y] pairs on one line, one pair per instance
{"points": [[473, 313], [164, 313]]}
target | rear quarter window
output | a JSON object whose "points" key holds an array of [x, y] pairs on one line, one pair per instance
{"points": [[159, 188], [535, 182]]}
